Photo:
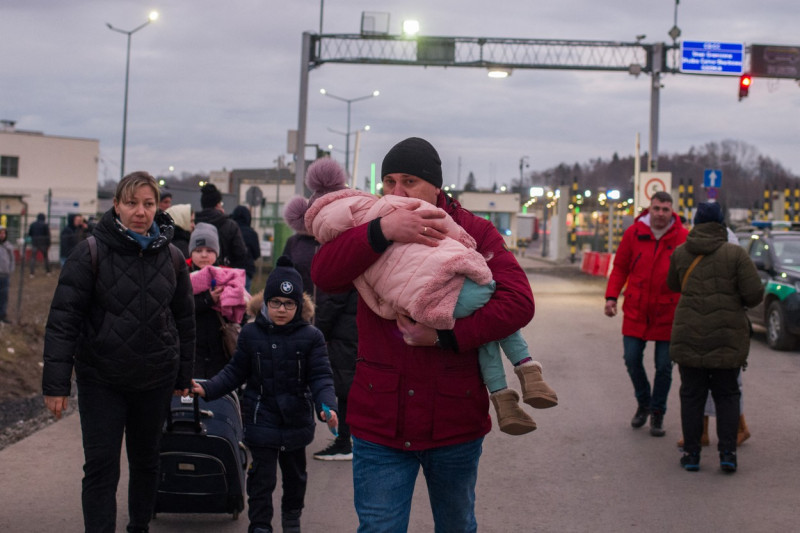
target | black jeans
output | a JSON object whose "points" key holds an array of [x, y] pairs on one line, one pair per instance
{"points": [[724, 387], [344, 428], [106, 415], [262, 479], [43, 251]]}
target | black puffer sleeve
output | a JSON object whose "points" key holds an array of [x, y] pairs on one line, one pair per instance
{"points": [[69, 312]]}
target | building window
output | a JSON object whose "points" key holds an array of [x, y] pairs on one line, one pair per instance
{"points": [[9, 166]]}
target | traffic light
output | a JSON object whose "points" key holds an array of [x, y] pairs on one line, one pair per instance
{"points": [[745, 80]]}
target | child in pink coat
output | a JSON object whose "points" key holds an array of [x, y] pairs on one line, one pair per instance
{"points": [[439, 284]]}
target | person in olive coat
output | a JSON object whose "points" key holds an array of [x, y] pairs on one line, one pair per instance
{"points": [[710, 334]]}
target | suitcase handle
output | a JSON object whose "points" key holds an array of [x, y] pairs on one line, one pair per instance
{"points": [[197, 425]]}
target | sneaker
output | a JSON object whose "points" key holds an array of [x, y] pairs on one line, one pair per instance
{"points": [[691, 462], [640, 418], [657, 424], [337, 451], [727, 462]]}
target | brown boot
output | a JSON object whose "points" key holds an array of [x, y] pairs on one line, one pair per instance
{"points": [[703, 439], [743, 433], [510, 416], [535, 392]]}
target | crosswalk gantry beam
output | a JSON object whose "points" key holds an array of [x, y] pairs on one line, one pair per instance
{"points": [[487, 52]]}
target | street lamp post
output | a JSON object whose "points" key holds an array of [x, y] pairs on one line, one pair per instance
{"points": [[523, 163], [348, 101], [152, 17]]}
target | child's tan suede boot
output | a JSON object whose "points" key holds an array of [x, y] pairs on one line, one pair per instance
{"points": [[510, 416], [535, 392]]}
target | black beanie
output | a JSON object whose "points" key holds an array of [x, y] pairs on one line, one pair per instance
{"points": [[209, 196], [708, 212], [415, 157], [284, 281]]}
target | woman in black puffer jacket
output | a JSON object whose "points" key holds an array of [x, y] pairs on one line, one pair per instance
{"points": [[123, 317]]}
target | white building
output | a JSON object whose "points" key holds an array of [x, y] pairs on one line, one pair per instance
{"points": [[500, 208], [46, 174]]}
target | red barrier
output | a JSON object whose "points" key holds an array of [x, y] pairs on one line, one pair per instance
{"points": [[589, 262], [28, 252], [602, 265]]}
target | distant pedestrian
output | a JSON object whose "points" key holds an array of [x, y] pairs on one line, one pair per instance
{"points": [[39, 232], [166, 201], [183, 219], [242, 216], [284, 362], [711, 334], [91, 223], [233, 252], [74, 232], [6, 268], [640, 268]]}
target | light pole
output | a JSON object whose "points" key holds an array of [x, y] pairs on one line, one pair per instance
{"points": [[348, 101], [523, 163], [152, 17]]}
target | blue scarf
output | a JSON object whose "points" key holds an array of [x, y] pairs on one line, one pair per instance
{"points": [[145, 240]]}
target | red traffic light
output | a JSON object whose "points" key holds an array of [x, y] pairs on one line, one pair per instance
{"points": [[745, 80]]}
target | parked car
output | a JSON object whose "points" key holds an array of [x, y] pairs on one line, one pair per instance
{"points": [[776, 255]]}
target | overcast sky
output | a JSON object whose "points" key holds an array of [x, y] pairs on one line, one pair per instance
{"points": [[215, 84]]}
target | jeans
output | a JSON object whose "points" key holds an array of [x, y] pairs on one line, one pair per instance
{"points": [[262, 478], [37, 250], [384, 478], [634, 356], [724, 387], [4, 283], [107, 414]]}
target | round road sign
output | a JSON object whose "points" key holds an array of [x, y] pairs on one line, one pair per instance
{"points": [[652, 186]]}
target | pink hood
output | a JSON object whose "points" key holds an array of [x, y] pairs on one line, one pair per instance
{"points": [[409, 278]]}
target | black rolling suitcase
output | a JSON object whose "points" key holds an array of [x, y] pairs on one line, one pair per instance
{"points": [[203, 460]]}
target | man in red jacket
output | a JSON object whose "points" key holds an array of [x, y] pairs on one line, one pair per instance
{"points": [[417, 399], [642, 262]]}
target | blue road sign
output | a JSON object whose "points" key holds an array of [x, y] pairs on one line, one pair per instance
{"points": [[712, 178], [704, 57]]}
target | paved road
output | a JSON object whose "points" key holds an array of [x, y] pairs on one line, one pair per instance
{"points": [[584, 469]]}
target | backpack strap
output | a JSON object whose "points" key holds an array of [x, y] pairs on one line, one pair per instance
{"points": [[92, 241], [689, 271], [177, 257]]}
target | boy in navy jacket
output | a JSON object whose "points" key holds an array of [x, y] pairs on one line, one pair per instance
{"points": [[284, 361]]}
